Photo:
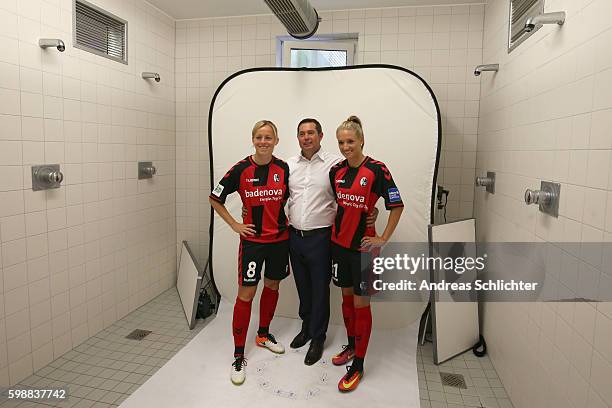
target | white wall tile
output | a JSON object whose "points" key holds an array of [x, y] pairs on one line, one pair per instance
{"points": [[36, 223], [550, 86], [101, 102], [9, 102]]}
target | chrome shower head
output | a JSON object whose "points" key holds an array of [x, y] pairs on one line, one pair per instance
{"points": [[545, 18], [52, 42], [485, 67], [151, 75]]}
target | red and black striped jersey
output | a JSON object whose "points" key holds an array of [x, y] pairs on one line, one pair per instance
{"points": [[264, 192], [357, 189]]}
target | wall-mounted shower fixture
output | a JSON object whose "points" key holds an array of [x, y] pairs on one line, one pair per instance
{"points": [[146, 170], [557, 17], [151, 75], [547, 197], [488, 182], [298, 16], [485, 67], [52, 42], [46, 176]]}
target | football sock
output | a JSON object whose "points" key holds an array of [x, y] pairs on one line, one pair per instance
{"points": [[240, 324], [267, 306], [363, 328], [348, 313]]}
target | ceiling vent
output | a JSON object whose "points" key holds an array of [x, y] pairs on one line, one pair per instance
{"points": [[298, 16]]}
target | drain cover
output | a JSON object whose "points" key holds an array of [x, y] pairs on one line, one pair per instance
{"points": [[453, 380], [138, 334]]}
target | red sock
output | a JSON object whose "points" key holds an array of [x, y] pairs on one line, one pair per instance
{"points": [[363, 328], [267, 306], [348, 313], [240, 324]]}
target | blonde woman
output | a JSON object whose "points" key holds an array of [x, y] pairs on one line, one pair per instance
{"points": [[358, 182], [261, 180]]}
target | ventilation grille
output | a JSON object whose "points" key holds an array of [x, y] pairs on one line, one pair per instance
{"points": [[100, 32], [520, 11], [138, 334], [453, 380], [298, 17]]}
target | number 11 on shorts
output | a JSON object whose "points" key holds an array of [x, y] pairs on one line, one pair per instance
{"points": [[335, 271]]}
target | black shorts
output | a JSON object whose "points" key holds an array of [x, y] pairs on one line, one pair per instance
{"points": [[352, 268], [253, 255]]}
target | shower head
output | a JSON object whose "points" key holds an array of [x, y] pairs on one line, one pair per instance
{"points": [[52, 42], [545, 18], [151, 75], [485, 67]]}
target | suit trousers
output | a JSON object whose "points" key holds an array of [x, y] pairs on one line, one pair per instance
{"points": [[311, 263]]}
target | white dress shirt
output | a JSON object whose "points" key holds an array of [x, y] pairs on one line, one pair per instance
{"points": [[311, 200]]}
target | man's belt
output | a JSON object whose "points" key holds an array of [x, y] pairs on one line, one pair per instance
{"points": [[308, 233]]}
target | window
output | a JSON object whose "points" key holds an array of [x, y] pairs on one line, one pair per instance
{"points": [[99, 32], [317, 53], [520, 11]]}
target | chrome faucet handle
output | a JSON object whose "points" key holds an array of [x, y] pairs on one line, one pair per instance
{"points": [[537, 197], [46, 176], [146, 170], [547, 197], [488, 182], [150, 170]]}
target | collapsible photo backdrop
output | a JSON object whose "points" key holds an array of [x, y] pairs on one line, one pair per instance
{"points": [[402, 128], [401, 124]]}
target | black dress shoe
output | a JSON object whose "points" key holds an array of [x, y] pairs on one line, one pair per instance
{"points": [[315, 351], [300, 340]]}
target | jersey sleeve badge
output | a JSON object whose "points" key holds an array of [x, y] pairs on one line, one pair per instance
{"points": [[394, 195], [218, 190]]}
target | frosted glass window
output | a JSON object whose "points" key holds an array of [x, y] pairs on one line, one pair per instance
{"points": [[317, 54], [317, 58]]}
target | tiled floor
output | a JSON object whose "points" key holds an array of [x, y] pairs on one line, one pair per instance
{"points": [[484, 389], [107, 368]]}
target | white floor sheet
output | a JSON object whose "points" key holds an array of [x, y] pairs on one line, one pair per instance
{"points": [[198, 375]]}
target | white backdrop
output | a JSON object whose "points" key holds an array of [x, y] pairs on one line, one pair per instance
{"points": [[400, 121]]}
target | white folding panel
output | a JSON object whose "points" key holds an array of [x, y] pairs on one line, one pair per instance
{"points": [[401, 126], [455, 326], [188, 283]]}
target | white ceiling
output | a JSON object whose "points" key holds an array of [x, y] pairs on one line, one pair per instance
{"points": [[185, 9]]}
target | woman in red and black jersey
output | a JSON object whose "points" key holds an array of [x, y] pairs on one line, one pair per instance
{"points": [[261, 180], [358, 182]]}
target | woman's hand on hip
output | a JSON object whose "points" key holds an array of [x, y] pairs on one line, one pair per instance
{"points": [[245, 230], [375, 241]]}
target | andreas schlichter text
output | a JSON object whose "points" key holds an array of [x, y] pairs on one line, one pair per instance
{"points": [[484, 285]]}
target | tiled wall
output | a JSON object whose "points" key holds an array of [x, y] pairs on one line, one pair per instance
{"points": [[442, 44], [75, 259], [547, 115]]}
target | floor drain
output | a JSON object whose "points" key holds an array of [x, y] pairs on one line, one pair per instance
{"points": [[453, 380], [138, 334]]}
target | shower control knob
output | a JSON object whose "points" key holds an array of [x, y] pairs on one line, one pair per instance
{"points": [[488, 182], [149, 170], [547, 197], [537, 196], [483, 181], [46, 176], [146, 170], [55, 177]]}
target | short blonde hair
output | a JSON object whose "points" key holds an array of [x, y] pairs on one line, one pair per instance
{"points": [[263, 123]]}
